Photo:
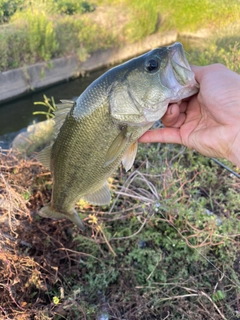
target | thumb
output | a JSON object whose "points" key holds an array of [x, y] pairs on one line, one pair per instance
{"points": [[198, 71]]}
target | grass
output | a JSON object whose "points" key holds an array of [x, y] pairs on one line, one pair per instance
{"points": [[193, 15], [47, 30], [222, 47], [166, 247]]}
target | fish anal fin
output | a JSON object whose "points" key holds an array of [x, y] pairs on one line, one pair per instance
{"points": [[100, 197], [129, 156], [44, 156], [116, 147]]}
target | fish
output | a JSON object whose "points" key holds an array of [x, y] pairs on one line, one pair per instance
{"points": [[99, 130]]}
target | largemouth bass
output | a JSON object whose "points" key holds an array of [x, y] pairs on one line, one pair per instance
{"points": [[102, 127]]}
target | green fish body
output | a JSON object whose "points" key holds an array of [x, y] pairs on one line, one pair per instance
{"points": [[102, 127]]}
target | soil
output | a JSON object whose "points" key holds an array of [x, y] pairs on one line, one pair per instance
{"points": [[35, 253]]}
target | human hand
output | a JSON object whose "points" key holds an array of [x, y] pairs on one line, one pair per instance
{"points": [[208, 122]]}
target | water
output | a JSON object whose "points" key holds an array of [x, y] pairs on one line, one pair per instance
{"points": [[16, 115]]}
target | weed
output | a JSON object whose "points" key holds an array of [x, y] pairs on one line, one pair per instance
{"points": [[193, 15], [94, 37], [145, 19], [8, 8], [71, 7], [41, 34], [48, 29], [48, 103]]}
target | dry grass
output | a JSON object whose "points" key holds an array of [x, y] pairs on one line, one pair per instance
{"points": [[132, 261]]}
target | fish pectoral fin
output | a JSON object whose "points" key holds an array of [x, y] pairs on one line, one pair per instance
{"points": [[129, 156], [44, 156], [100, 197], [116, 147]]}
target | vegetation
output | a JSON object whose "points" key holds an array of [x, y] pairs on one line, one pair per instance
{"points": [[223, 47], [8, 8], [49, 104], [43, 30], [167, 247]]}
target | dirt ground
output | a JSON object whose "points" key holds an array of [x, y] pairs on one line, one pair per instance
{"points": [[35, 253]]}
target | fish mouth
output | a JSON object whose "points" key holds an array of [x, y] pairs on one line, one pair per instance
{"points": [[177, 75]]}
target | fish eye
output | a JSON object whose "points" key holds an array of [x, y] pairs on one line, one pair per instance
{"points": [[151, 65]]}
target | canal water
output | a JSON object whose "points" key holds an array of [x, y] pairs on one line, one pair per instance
{"points": [[16, 115]]}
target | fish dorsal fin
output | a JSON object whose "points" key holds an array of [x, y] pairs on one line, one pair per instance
{"points": [[100, 197], [45, 156], [117, 146], [65, 101], [129, 156], [61, 113]]}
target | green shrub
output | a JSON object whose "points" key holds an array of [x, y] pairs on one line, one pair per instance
{"points": [[49, 29], [71, 7], [191, 15], [145, 19], [3, 52], [223, 47], [67, 34], [8, 8], [14, 49], [95, 37], [41, 36], [182, 251]]}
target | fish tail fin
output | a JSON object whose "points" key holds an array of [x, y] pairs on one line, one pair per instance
{"points": [[48, 212]]}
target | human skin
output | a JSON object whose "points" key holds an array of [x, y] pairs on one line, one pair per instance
{"points": [[208, 122]]}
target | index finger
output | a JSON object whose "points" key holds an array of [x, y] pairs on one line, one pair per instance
{"points": [[201, 71]]}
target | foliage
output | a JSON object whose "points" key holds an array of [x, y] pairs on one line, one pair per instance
{"points": [[48, 103], [223, 47], [8, 8], [64, 7], [184, 15], [30, 38], [167, 246], [41, 36], [183, 244], [11, 40], [188, 15], [94, 37], [145, 19], [68, 26], [48, 29], [71, 7]]}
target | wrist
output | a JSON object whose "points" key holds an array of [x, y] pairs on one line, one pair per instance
{"points": [[235, 159], [234, 155]]}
